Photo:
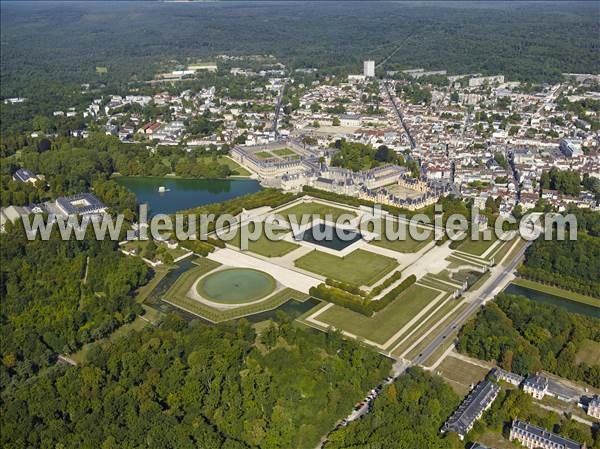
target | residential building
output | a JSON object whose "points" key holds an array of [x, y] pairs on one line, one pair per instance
{"points": [[570, 148], [593, 408], [536, 386], [22, 175], [369, 69], [532, 437], [471, 409], [506, 376]]}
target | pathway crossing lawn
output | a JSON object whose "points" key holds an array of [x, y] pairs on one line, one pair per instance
{"points": [[385, 323], [405, 244], [589, 352], [264, 246], [313, 209], [360, 267], [477, 247]]}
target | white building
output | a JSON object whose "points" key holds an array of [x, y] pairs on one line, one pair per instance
{"points": [[369, 69]]}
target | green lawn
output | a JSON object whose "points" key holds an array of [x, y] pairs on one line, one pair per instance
{"points": [[477, 247], [360, 267], [236, 168], [314, 209], [283, 152], [557, 291], [462, 372], [404, 245], [385, 323], [589, 352], [266, 247], [263, 154]]}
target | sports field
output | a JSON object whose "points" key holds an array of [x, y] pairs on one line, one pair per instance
{"points": [[360, 267], [314, 209], [385, 323], [266, 247]]}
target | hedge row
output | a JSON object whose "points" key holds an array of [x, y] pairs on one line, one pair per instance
{"points": [[390, 296], [197, 246], [353, 289], [359, 303], [385, 284], [341, 298]]}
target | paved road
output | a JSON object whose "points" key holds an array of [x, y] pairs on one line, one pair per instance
{"points": [[497, 280], [400, 116], [278, 109]]}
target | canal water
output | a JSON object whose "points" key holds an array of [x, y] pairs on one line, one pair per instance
{"points": [[181, 194], [571, 306]]}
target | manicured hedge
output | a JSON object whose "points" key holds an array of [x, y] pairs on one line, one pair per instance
{"points": [[353, 289], [385, 284], [390, 296], [359, 303], [341, 298]]}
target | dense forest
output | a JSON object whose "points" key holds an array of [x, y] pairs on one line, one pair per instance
{"points": [[570, 264], [407, 414], [190, 385], [524, 336], [57, 295]]}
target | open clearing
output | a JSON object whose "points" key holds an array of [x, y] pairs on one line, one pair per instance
{"points": [[589, 352], [385, 323], [357, 268], [461, 372]]}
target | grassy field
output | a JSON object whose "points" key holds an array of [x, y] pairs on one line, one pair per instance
{"points": [[283, 152], [477, 247], [461, 372], [384, 324], [589, 352], [263, 154], [557, 291], [266, 247], [405, 245], [314, 209], [236, 168], [358, 268]]}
